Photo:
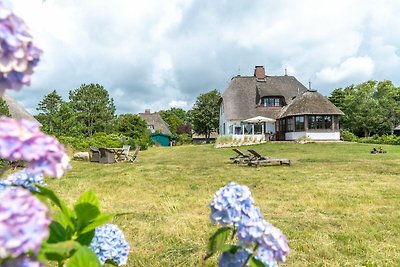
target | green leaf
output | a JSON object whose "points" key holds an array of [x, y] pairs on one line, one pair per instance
{"points": [[85, 213], [86, 238], [111, 262], [217, 241], [99, 221], [231, 248], [89, 197], [84, 257], [60, 250], [256, 263], [57, 233]]}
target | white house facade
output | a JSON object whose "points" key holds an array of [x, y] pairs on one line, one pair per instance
{"points": [[276, 108]]}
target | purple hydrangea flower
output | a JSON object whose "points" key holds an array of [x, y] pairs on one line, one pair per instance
{"points": [[18, 55], [230, 203], [24, 222], [22, 261], [275, 241], [23, 140], [109, 244], [272, 243], [227, 259], [26, 179]]}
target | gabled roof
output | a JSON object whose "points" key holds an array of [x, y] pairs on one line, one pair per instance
{"points": [[16, 110], [310, 103], [244, 93], [158, 123]]}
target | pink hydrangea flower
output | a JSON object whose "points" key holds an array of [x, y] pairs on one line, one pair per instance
{"points": [[23, 140], [18, 55], [24, 222]]}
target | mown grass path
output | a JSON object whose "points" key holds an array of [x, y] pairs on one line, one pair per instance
{"points": [[338, 204]]}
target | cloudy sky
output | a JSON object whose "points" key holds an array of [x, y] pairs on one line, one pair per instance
{"points": [[160, 54]]}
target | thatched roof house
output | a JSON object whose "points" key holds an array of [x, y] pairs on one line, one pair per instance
{"points": [[297, 111], [16, 110], [155, 122]]}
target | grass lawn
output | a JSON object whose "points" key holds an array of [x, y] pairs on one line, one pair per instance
{"points": [[337, 204]]}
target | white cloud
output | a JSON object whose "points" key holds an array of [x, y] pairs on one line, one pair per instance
{"points": [[157, 52], [178, 104], [357, 68]]}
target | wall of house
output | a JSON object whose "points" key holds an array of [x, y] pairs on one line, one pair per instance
{"points": [[328, 136]]}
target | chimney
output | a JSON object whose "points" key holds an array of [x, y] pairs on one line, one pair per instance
{"points": [[259, 72], [147, 111]]}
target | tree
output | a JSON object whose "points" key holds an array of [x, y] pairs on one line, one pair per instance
{"points": [[370, 108], [67, 123], [49, 108], [204, 115], [132, 126], [174, 117], [94, 108], [4, 111]]}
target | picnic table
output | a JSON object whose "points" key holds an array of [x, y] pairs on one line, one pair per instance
{"points": [[118, 151]]}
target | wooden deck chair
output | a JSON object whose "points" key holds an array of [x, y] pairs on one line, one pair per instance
{"points": [[258, 159], [125, 153], [106, 156], [240, 157], [135, 154]]}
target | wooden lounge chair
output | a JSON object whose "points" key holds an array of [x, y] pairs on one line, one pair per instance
{"points": [[240, 157], [258, 159], [95, 154], [106, 156]]}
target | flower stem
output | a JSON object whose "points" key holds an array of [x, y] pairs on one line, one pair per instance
{"points": [[250, 255]]}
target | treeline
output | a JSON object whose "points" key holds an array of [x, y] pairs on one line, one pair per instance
{"points": [[370, 108], [89, 119]]}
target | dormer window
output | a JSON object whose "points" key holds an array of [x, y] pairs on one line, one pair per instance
{"points": [[272, 102]]}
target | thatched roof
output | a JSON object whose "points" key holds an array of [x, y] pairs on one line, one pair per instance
{"points": [[16, 110], [310, 103], [155, 119], [244, 94]]}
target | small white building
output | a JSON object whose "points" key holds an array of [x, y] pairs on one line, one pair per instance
{"points": [[289, 109]]}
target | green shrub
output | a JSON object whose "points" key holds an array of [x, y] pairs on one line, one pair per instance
{"points": [[349, 136], [183, 139]]}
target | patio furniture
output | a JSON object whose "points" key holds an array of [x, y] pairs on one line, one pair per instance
{"points": [[258, 159], [125, 152], [106, 155], [95, 154], [135, 154], [240, 157]]}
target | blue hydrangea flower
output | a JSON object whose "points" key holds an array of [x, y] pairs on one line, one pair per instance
{"points": [[266, 256], [22, 261], [230, 203], [24, 222], [109, 244], [275, 241], [227, 259], [26, 179], [251, 231]]}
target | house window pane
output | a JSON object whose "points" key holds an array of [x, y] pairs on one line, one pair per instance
{"points": [[311, 122], [257, 129], [272, 102], [327, 122], [290, 124], [299, 124]]}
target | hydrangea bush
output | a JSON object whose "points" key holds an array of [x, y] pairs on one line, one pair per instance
{"points": [[253, 241], [36, 227]]}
